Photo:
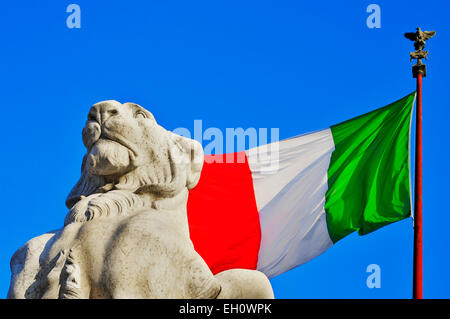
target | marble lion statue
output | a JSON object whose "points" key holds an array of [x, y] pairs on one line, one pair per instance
{"points": [[126, 234]]}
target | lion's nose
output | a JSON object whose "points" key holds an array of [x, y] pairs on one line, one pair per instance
{"points": [[107, 111], [102, 111]]}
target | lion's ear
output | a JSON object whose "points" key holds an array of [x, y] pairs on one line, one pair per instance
{"points": [[86, 185], [195, 158], [147, 113]]}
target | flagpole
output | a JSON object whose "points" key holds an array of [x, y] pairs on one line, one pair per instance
{"points": [[418, 243], [419, 71]]}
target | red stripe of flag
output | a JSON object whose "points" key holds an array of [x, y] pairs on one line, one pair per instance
{"points": [[223, 216]]}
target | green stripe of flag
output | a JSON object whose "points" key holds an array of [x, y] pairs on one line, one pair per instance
{"points": [[368, 176]]}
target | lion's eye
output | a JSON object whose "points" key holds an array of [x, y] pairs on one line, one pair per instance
{"points": [[91, 117], [140, 115]]}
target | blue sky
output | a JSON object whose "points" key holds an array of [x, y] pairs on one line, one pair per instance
{"points": [[294, 65]]}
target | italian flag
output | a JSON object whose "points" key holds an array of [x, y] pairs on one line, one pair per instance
{"points": [[277, 206]]}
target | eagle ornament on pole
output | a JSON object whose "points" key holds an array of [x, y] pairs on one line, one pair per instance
{"points": [[419, 71]]}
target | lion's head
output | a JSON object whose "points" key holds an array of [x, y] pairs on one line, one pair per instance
{"points": [[129, 154]]}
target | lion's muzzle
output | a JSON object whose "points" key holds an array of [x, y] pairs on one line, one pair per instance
{"points": [[91, 133], [105, 156]]}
